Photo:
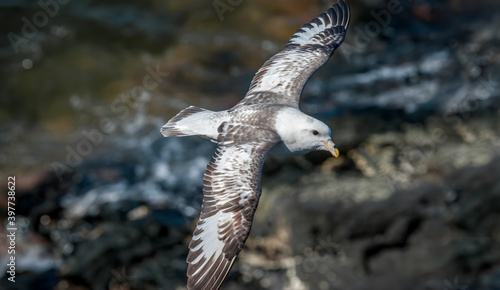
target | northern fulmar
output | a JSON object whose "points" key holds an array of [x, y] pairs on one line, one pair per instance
{"points": [[268, 116]]}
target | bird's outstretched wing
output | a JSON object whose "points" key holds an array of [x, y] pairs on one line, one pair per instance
{"points": [[281, 79], [231, 194]]}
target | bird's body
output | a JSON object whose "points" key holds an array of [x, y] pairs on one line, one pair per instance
{"points": [[269, 115]]}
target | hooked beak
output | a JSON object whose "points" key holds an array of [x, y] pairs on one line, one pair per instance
{"points": [[330, 146]]}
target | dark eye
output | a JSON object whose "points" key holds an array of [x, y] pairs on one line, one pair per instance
{"points": [[315, 133]]}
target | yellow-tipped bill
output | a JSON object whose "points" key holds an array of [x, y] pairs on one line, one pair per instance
{"points": [[330, 146]]}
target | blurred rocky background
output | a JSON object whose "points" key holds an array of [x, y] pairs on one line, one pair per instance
{"points": [[104, 202]]}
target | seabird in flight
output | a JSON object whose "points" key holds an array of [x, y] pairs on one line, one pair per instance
{"points": [[268, 116]]}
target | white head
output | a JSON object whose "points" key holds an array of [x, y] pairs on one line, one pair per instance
{"points": [[301, 133]]}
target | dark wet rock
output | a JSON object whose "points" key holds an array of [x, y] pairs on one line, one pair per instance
{"points": [[410, 237], [130, 247]]}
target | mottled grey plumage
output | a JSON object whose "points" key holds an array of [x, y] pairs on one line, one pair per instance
{"points": [[267, 116]]}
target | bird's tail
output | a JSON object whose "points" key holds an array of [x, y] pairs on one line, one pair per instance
{"points": [[191, 121]]}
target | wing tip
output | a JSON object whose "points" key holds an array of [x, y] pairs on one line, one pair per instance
{"points": [[211, 277], [338, 15], [341, 12], [346, 11]]}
